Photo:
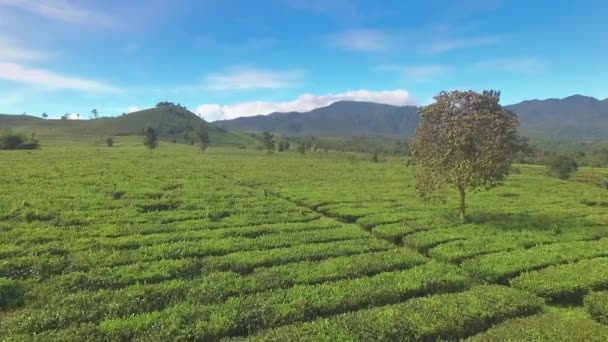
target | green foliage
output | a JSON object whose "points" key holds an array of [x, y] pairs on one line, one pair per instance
{"points": [[150, 137], [464, 139], [447, 316], [107, 244], [267, 141], [202, 136], [499, 267], [301, 148], [10, 140], [566, 282], [11, 294], [546, 327], [596, 304], [109, 141], [561, 166]]}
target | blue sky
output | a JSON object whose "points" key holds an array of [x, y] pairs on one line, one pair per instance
{"points": [[225, 59]]}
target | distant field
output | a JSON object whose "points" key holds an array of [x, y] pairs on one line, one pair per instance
{"points": [[119, 243]]}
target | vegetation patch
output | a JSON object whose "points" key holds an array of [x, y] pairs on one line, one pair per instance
{"points": [[597, 305], [546, 327]]}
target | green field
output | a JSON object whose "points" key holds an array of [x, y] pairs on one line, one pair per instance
{"points": [[118, 244]]}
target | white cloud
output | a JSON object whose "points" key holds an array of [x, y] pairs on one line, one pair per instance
{"points": [[517, 65], [422, 73], [442, 46], [11, 51], [60, 10], [133, 109], [364, 40], [305, 102], [247, 78], [39, 77]]}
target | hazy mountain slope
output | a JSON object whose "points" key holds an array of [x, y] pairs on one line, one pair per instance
{"points": [[573, 118], [345, 118]]}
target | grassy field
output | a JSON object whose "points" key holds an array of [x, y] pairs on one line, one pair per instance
{"points": [[122, 244]]}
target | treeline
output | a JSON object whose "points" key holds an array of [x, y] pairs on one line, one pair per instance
{"points": [[593, 155], [377, 145], [10, 140]]}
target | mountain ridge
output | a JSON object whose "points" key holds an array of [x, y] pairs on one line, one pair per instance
{"points": [[574, 117]]}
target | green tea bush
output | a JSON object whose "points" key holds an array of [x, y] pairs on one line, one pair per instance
{"points": [[242, 315], [445, 316], [457, 251], [499, 267], [11, 294], [596, 304], [547, 327], [570, 282]]}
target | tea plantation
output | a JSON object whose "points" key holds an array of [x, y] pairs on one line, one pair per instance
{"points": [[120, 244]]}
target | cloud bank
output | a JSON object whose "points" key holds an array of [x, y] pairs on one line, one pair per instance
{"points": [[302, 103], [47, 79]]}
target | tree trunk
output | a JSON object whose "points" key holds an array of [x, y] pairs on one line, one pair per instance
{"points": [[463, 218]]}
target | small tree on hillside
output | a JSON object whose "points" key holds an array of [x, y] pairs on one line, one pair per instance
{"points": [[150, 137], [467, 140], [45, 115], [109, 141], [301, 147], [94, 113], [268, 141], [202, 136], [561, 166]]}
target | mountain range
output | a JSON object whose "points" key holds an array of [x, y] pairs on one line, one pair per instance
{"points": [[575, 117]]}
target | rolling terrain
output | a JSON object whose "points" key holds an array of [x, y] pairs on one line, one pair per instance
{"points": [[167, 120], [121, 244]]}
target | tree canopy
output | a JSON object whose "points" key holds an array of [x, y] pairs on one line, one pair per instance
{"points": [[202, 136], [467, 140], [150, 137]]}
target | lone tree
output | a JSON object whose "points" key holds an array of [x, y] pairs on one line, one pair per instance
{"points": [[45, 115], [150, 137], [95, 113], [109, 141], [202, 137], [467, 140], [268, 141], [561, 166]]}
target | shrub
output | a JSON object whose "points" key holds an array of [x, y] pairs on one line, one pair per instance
{"points": [[242, 315], [11, 294], [548, 327], [568, 282], [109, 141], [446, 316], [597, 306], [499, 267], [561, 166], [17, 141]]}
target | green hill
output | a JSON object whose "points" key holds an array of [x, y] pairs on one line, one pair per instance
{"points": [[169, 121]]}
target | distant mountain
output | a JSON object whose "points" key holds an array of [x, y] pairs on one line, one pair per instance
{"points": [[575, 117], [167, 120], [344, 118], [572, 118]]}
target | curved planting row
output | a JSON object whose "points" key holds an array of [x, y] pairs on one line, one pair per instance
{"points": [[547, 327], [499, 267], [568, 282], [439, 317]]}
